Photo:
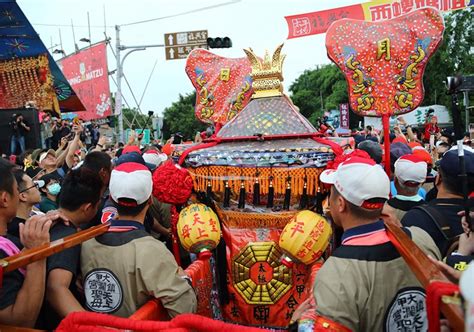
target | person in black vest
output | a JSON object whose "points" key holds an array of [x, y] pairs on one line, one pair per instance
{"points": [[448, 203]]}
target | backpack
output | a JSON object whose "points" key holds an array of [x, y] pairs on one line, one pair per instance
{"points": [[443, 226]]}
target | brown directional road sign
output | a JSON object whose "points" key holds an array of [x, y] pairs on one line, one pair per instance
{"points": [[179, 44]]}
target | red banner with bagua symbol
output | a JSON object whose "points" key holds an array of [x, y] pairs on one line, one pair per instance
{"points": [[87, 73]]}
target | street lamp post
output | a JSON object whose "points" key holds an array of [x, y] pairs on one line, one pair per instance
{"points": [[119, 74]]}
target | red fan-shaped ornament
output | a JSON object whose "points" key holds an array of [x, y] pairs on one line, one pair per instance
{"points": [[383, 62], [223, 85]]}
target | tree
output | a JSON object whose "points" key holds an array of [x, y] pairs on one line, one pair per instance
{"points": [[454, 56], [140, 119], [324, 83], [179, 117], [129, 114]]}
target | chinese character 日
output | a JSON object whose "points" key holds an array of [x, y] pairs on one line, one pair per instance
{"points": [[225, 74]]}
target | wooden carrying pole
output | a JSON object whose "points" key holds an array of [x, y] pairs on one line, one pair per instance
{"points": [[386, 142], [424, 270], [35, 254]]}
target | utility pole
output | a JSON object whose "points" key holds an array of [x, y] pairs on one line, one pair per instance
{"points": [[466, 106], [89, 26], [118, 94], [119, 74]]}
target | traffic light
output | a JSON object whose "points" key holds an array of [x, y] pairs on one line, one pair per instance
{"points": [[453, 83], [219, 42]]}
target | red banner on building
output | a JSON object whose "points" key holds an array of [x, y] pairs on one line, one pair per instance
{"points": [[87, 73], [344, 109]]}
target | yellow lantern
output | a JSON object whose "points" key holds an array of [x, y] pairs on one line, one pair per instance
{"points": [[304, 238], [199, 230]]}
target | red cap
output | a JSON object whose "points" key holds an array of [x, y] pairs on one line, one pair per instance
{"points": [[168, 149], [414, 144], [399, 139], [423, 155], [131, 148]]}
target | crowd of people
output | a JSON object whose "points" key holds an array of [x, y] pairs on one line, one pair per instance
{"points": [[71, 184], [52, 131], [50, 194]]}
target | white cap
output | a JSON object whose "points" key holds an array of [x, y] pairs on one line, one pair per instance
{"points": [[411, 168], [131, 181], [45, 154], [358, 180], [154, 157]]}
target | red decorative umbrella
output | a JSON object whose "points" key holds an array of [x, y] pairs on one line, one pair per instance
{"points": [[383, 62]]}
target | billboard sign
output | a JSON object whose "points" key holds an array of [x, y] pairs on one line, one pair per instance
{"points": [[87, 73]]}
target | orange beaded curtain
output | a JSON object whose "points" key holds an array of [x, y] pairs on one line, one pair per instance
{"points": [[27, 80], [383, 62]]}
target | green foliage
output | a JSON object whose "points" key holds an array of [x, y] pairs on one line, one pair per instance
{"points": [[179, 117], [129, 114], [140, 119], [454, 56], [326, 81]]}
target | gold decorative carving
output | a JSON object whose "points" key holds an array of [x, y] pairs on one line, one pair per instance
{"points": [[266, 73]]}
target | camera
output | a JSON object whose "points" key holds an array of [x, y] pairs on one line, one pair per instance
{"points": [[150, 113]]}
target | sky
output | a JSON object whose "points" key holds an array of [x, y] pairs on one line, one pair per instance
{"points": [[258, 24]]}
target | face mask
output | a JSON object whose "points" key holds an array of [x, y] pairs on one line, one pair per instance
{"points": [[54, 189]]}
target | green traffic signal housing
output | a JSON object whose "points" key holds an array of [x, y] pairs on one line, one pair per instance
{"points": [[219, 42]]}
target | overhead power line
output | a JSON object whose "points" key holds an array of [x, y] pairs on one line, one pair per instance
{"points": [[184, 13], [143, 21], [69, 25]]}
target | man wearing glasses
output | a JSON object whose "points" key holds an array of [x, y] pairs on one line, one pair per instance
{"points": [[29, 196]]}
